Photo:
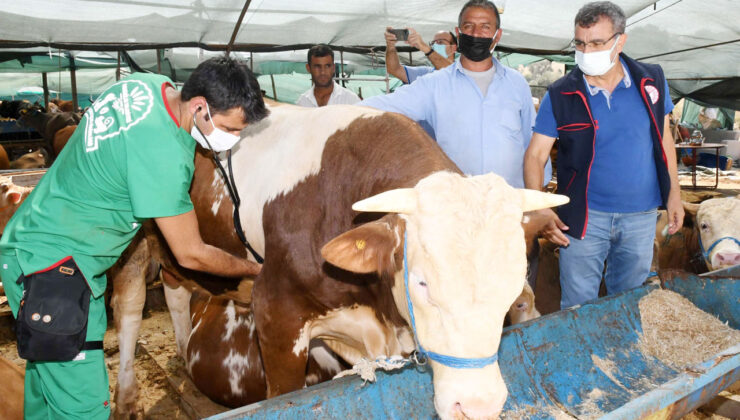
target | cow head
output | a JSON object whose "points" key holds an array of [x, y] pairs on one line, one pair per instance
{"points": [[467, 264], [718, 218]]}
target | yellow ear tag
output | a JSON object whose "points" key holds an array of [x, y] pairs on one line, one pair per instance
{"points": [[360, 244]]}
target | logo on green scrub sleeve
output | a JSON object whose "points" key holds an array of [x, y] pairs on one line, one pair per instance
{"points": [[121, 107]]}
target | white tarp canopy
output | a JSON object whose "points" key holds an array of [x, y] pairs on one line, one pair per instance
{"points": [[697, 42]]}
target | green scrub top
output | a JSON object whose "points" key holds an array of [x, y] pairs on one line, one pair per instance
{"points": [[127, 161]]}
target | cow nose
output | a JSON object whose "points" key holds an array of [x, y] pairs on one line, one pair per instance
{"points": [[479, 408], [727, 259]]}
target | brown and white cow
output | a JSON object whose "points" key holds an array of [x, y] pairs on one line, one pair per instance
{"points": [[298, 174]]}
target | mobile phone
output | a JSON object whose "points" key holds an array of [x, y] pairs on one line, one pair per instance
{"points": [[401, 34]]}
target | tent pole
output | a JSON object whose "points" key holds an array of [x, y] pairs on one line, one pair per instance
{"points": [[274, 92], [341, 66], [236, 28], [73, 78], [159, 61], [46, 90], [251, 61], [118, 67]]}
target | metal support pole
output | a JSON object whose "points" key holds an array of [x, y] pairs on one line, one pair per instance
{"points": [[159, 61], [73, 78], [251, 61], [118, 67], [274, 91], [236, 28], [341, 66], [46, 90]]}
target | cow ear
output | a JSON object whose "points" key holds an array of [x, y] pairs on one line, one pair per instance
{"points": [[365, 249], [690, 208]]}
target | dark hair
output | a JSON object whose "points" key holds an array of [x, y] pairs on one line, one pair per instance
{"points": [[483, 4], [226, 83], [590, 13], [454, 38], [321, 50]]}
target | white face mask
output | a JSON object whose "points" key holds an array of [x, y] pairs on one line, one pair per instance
{"points": [[597, 63], [218, 140]]}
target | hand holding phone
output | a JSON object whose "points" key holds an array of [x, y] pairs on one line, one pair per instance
{"points": [[401, 34]]}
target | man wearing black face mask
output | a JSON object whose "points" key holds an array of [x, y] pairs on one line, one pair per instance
{"points": [[481, 111]]}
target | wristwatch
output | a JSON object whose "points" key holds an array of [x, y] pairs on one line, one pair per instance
{"points": [[431, 50]]}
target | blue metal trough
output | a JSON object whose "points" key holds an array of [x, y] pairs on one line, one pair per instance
{"points": [[583, 363]]}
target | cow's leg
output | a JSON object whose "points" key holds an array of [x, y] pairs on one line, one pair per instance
{"points": [[283, 340], [128, 277], [178, 302]]}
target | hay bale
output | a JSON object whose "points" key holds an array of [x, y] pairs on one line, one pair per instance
{"points": [[678, 333]]}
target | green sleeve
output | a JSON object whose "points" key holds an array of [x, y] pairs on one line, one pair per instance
{"points": [[160, 171]]}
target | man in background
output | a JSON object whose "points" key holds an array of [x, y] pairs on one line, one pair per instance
{"points": [[440, 52], [324, 91]]}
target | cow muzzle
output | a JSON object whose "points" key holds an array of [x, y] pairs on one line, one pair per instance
{"points": [[469, 394]]}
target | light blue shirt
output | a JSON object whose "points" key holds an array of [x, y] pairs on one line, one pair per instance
{"points": [[413, 73], [480, 134]]}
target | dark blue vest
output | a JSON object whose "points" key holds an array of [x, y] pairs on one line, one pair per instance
{"points": [[577, 134]]}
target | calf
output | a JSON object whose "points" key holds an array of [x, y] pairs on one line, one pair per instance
{"points": [[31, 160], [704, 224], [11, 197]]}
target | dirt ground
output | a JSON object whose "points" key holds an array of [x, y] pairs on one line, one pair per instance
{"points": [[729, 181], [156, 361]]}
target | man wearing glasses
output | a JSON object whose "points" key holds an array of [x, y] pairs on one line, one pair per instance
{"points": [[440, 52], [616, 159]]}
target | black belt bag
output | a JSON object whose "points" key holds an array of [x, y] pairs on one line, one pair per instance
{"points": [[52, 318]]}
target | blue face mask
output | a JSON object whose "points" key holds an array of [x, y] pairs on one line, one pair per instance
{"points": [[440, 49]]}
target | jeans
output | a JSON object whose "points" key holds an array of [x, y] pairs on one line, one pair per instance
{"points": [[623, 240]]}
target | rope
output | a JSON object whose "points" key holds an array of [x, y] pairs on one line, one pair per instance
{"points": [[366, 368], [451, 361]]}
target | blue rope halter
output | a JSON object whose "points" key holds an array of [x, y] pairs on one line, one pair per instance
{"points": [[711, 247], [451, 361]]}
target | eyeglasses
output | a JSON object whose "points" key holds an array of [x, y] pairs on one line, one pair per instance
{"points": [[594, 45], [440, 42]]}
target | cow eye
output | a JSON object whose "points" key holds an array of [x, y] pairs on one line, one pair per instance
{"points": [[704, 226]]}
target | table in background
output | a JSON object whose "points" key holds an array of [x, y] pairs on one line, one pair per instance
{"points": [[694, 148]]}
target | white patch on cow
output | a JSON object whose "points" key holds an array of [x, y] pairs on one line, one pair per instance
{"points": [[192, 360], [281, 151], [236, 364], [357, 330], [195, 327], [219, 190], [233, 321], [311, 379], [327, 361]]}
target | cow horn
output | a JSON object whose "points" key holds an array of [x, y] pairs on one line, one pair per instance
{"points": [[535, 200], [401, 200]]}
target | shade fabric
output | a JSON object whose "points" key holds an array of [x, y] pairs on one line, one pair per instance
{"points": [[697, 42]]}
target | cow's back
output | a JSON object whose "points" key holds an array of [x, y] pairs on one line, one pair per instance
{"points": [[308, 165]]}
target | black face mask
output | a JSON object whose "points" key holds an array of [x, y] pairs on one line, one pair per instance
{"points": [[474, 48]]}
